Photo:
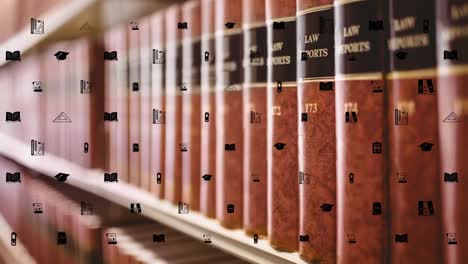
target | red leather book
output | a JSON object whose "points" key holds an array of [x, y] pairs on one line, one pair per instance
{"points": [[413, 139], [229, 148], [254, 117], [208, 113], [146, 119], [316, 138], [360, 118], [191, 60], [134, 111], [282, 126], [453, 119], [157, 105], [173, 145]]}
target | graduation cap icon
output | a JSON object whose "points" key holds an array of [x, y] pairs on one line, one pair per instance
{"points": [[207, 177], [279, 146], [230, 25], [61, 177], [426, 146], [61, 55], [326, 207]]}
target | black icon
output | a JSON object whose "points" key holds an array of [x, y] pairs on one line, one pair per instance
{"points": [[230, 25], [135, 208], [427, 89], [279, 25], [376, 86], [183, 208], [351, 177], [111, 238], [353, 117], [182, 25], [450, 177], [110, 116], [37, 26], [135, 87], [255, 237], [230, 208], [13, 238], [401, 55], [158, 56], [110, 55], [37, 148], [183, 86], [304, 238], [326, 86], [61, 238], [13, 56], [352, 238], [62, 118], [86, 147], [111, 177], [425, 208], [376, 147], [183, 147], [280, 146], [426, 26], [426, 146], [401, 238], [207, 117], [134, 25], [61, 177], [229, 147], [279, 87], [37, 208], [207, 56], [158, 178], [86, 208], [13, 116], [450, 55], [452, 238], [401, 117], [326, 207], [376, 208], [86, 26], [159, 117], [13, 177], [136, 147], [85, 87], [304, 178], [255, 118], [303, 56], [159, 238], [303, 117], [451, 118], [207, 238], [207, 177], [255, 177], [61, 55], [375, 25], [402, 178], [37, 86]]}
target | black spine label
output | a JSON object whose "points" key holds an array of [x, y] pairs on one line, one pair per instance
{"points": [[232, 60], [196, 63], [453, 15], [283, 53], [256, 70]]}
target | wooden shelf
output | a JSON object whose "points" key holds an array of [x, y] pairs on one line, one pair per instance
{"points": [[235, 242]]}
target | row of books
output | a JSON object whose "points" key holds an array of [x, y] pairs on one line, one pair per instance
{"points": [[335, 129]]}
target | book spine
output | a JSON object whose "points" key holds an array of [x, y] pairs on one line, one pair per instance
{"points": [[453, 119], [282, 125], [134, 111], [208, 113], [254, 118], [359, 104], [172, 167], [191, 116], [316, 131], [158, 107], [228, 114], [412, 121]]}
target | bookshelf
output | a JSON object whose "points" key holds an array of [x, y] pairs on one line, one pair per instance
{"points": [[16, 254], [193, 224]]}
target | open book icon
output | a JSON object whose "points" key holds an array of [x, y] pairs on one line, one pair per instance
{"points": [[110, 55], [13, 117], [110, 116], [13, 56]]}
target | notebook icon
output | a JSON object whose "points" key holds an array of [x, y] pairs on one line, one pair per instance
{"points": [[37, 26], [37, 148]]}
